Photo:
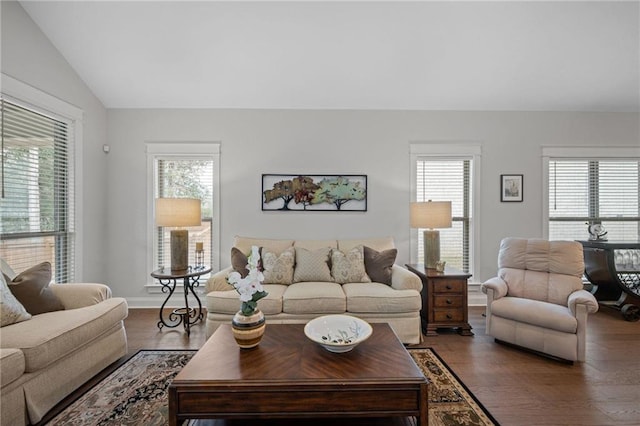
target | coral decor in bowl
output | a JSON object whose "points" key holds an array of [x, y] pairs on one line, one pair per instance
{"points": [[338, 333]]}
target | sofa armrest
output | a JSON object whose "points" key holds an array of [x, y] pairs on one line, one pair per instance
{"points": [[582, 297], [498, 286], [78, 295], [218, 281], [404, 279]]}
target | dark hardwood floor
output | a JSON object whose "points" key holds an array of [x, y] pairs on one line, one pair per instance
{"points": [[517, 387]]}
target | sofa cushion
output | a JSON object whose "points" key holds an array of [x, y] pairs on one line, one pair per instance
{"points": [[315, 244], [31, 288], [379, 244], [12, 365], [239, 262], [378, 264], [47, 337], [11, 311], [348, 267], [244, 244], [278, 269], [543, 286], [314, 298], [535, 312], [556, 257], [380, 298], [312, 265], [228, 302]]}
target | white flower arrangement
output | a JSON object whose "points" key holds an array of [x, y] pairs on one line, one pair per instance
{"points": [[250, 287]]}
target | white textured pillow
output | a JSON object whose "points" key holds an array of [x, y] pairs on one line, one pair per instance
{"points": [[349, 267], [312, 265], [278, 269], [11, 311]]}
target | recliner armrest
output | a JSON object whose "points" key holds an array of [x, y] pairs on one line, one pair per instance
{"points": [[582, 297], [79, 295], [218, 281], [404, 279], [498, 286]]}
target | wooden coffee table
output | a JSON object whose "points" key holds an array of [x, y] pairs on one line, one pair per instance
{"points": [[288, 376]]}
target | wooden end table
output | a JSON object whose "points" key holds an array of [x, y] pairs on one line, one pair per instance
{"points": [[190, 278], [444, 299], [289, 376]]}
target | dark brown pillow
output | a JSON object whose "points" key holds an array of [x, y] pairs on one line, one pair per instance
{"points": [[31, 288], [239, 262], [378, 264]]}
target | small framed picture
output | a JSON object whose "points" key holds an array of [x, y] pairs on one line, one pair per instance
{"points": [[511, 188]]}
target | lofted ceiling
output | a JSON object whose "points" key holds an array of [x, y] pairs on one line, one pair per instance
{"points": [[419, 55]]}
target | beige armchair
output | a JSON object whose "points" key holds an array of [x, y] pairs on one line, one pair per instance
{"points": [[537, 300]]}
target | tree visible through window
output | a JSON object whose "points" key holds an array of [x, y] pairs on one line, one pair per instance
{"points": [[36, 208], [185, 178]]}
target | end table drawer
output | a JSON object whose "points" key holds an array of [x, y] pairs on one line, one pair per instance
{"points": [[448, 315], [447, 301], [448, 286]]}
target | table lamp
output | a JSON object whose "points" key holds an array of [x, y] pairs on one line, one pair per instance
{"points": [[427, 216], [178, 213]]}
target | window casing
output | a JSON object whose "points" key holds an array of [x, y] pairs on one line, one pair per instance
{"points": [[184, 170], [583, 189], [448, 172], [38, 211]]}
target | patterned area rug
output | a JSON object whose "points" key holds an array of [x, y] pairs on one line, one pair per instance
{"points": [[450, 402], [136, 394]]}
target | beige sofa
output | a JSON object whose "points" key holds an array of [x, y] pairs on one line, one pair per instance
{"points": [[537, 300], [47, 357], [397, 304]]}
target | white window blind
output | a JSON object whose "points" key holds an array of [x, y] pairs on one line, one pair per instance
{"points": [[185, 178], [37, 204], [440, 179], [585, 191]]}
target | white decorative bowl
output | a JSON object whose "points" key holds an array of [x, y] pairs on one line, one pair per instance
{"points": [[338, 333]]}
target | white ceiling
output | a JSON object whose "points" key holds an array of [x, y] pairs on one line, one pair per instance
{"points": [[421, 55]]}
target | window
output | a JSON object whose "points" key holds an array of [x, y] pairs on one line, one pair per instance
{"points": [[37, 207], [593, 190], [188, 170], [448, 173]]}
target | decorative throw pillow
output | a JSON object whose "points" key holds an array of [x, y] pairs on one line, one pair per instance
{"points": [[11, 311], [348, 267], [239, 262], [31, 288], [278, 269], [378, 264], [312, 265]]}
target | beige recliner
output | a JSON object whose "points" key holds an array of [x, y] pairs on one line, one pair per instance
{"points": [[537, 300]]}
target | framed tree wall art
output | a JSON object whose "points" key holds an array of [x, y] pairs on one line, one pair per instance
{"points": [[314, 192], [511, 188]]}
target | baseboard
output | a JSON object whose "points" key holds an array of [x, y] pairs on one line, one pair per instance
{"points": [[177, 301]]}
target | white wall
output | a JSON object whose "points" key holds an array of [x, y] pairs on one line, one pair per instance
{"points": [[375, 143], [28, 56], [253, 142]]}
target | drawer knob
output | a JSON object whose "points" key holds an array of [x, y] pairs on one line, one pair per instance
{"points": [[449, 316], [449, 287], [449, 301]]}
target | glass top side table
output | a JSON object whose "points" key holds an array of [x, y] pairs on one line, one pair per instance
{"points": [[190, 278]]}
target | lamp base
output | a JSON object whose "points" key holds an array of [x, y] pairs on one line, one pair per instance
{"points": [[431, 248], [179, 249]]}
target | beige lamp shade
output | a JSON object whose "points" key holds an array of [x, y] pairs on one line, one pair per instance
{"points": [[431, 214], [178, 212]]}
